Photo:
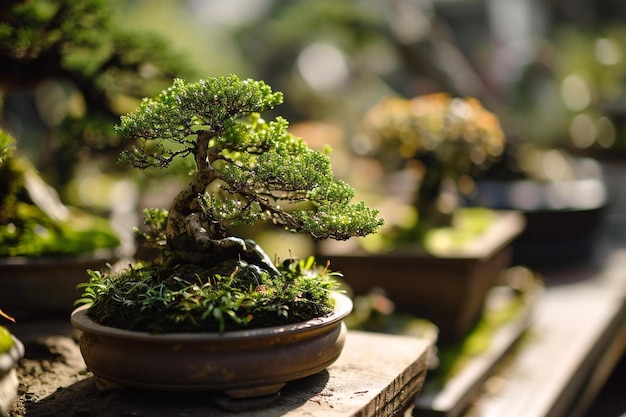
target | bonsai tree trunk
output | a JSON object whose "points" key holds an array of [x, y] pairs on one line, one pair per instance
{"points": [[196, 238], [426, 199]]}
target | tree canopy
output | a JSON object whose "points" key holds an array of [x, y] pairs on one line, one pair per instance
{"points": [[247, 169]]}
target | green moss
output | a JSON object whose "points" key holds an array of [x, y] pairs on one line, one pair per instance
{"points": [[454, 357], [231, 296], [467, 225]]}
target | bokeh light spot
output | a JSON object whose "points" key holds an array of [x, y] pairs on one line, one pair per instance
{"points": [[575, 93], [582, 131], [323, 66]]}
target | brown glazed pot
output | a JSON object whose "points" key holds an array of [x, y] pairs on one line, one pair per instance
{"points": [[242, 363], [447, 289]]}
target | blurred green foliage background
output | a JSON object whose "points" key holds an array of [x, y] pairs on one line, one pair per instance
{"points": [[553, 71]]}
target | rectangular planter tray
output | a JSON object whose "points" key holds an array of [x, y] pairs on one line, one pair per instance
{"points": [[447, 289]]}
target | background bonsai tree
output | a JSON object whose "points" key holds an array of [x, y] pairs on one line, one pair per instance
{"points": [[33, 219], [85, 72], [446, 141], [247, 170]]}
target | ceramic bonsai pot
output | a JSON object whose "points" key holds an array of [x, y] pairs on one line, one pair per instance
{"points": [[34, 287], [8, 376], [559, 237], [242, 363], [447, 289]]}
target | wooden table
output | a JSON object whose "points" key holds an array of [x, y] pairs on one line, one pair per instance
{"points": [[376, 375]]}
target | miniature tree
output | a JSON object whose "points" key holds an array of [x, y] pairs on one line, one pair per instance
{"points": [[247, 170], [450, 141], [34, 221], [77, 44]]}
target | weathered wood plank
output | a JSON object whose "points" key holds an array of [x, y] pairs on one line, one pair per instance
{"points": [[376, 375], [578, 326], [460, 390]]}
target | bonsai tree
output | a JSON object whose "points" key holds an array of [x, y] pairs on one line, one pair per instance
{"points": [[247, 170], [34, 221], [447, 141], [104, 71]]}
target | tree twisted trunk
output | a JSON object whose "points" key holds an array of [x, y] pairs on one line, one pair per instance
{"points": [[193, 236]]}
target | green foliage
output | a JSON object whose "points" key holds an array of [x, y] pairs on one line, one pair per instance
{"points": [[19, 35], [156, 220], [275, 175], [255, 169], [33, 233], [456, 135], [6, 340], [178, 113], [7, 146], [106, 69], [27, 230], [11, 177], [79, 39], [190, 298]]}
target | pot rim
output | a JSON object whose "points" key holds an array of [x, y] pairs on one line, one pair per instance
{"points": [[343, 307]]}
